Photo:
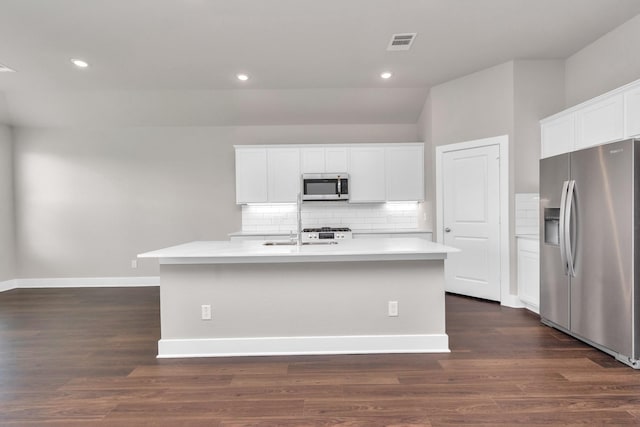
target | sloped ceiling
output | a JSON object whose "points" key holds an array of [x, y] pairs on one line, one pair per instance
{"points": [[173, 62]]}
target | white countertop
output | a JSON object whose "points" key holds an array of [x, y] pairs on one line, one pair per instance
{"points": [[251, 251]]}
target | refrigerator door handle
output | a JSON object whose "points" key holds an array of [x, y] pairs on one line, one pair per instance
{"points": [[567, 229], [562, 230]]}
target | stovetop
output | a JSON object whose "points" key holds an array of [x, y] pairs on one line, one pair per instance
{"points": [[326, 229]]}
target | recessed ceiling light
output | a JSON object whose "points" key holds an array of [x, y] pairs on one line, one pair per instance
{"points": [[80, 63], [242, 77], [386, 75]]}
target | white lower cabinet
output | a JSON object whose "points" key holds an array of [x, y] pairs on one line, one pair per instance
{"points": [[529, 273]]}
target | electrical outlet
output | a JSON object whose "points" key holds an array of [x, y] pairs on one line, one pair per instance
{"points": [[205, 312], [393, 308], [134, 263]]}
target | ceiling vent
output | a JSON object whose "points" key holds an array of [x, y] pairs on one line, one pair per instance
{"points": [[401, 41], [5, 69]]}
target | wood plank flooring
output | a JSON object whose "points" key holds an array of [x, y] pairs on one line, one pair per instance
{"points": [[85, 357]]}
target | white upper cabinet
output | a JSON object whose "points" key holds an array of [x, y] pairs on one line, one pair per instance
{"points": [[312, 160], [610, 117], [558, 135], [405, 172], [251, 175], [367, 174], [283, 168], [323, 159], [632, 112], [377, 172], [336, 159], [600, 122]]}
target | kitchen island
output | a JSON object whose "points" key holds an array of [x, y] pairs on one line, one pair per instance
{"points": [[278, 298]]}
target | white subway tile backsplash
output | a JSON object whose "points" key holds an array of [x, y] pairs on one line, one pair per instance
{"points": [[283, 217], [527, 213]]}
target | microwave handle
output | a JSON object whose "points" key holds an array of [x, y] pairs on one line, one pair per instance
{"points": [[339, 186]]}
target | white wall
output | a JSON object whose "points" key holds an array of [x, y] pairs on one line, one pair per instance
{"points": [[538, 93], [7, 229], [426, 210], [476, 106], [609, 62], [509, 99], [88, 200]]}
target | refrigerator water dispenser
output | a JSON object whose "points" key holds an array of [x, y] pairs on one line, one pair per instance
{"points": [[552, 226]]}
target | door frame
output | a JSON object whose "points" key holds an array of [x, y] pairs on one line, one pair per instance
{"points": [[502, 141]]}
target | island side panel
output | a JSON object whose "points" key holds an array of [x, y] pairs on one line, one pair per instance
{"points": [[289, 300]]}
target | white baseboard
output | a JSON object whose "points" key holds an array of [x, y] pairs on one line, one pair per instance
{"points": [[531, 307], [81, 282], [512, 301], [275, 346], [7, 285]]}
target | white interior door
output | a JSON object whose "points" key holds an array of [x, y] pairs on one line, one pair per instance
{"points": [[471, 220]]}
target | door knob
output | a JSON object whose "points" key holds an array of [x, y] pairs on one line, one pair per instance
{"points": [[447, 230]]}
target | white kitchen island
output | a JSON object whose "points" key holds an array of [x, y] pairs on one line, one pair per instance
{"points": [[310, 299]]}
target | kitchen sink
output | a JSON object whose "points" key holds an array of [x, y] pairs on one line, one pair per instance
{"points": [[288, 243]]}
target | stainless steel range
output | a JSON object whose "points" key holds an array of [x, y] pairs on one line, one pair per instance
{"points": [[326, 234]]}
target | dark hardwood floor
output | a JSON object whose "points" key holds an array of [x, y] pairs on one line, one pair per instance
{"points": [[84, 357]]}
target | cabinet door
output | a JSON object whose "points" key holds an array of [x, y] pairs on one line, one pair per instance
{"points": [[600, 122], [312, 160], [251, 175], [335, 159], [405, 173], [283, 167], [529, 273], [558, 135], [632, 112], [367, 174]]}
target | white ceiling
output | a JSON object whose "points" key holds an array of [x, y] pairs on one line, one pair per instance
{"points": [[173, 62]]}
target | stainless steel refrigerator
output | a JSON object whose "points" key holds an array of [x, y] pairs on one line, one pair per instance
{"points": [[589, 207]]}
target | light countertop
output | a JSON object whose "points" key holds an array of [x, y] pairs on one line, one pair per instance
{"points": [[252, 251]]}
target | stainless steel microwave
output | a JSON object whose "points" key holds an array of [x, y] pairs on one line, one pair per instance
{"points": [[325, 186]]}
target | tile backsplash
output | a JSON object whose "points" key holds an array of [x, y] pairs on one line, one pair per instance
{"points": [[282, 217], [527, 213]]}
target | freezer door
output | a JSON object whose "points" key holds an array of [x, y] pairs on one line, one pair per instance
{"points": [[601, 291], [554, 283]]}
